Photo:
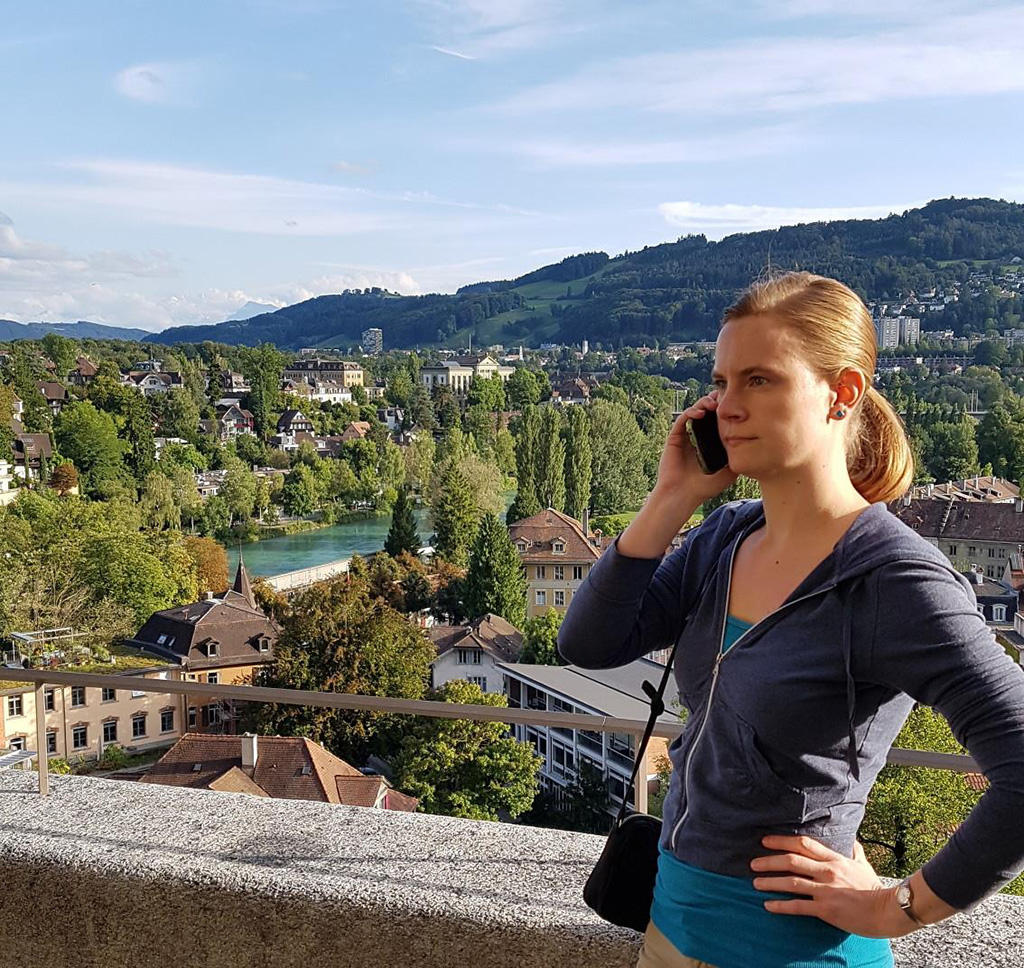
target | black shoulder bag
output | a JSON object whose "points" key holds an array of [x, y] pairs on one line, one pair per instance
{"points": [[621, 886]]}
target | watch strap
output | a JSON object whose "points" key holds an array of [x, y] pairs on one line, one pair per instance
{"points": [[905, 899]]}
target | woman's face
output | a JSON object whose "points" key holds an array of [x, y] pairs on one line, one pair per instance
{"points": [[772, 408]]}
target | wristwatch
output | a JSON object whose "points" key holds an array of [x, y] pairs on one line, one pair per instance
{"points": [[905, 899]]}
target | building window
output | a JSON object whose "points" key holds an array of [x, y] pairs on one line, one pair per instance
{"points": [[952, 550], [542, 571], [77, 696], [558, 547], [559, 572], [51, 741], [193, 717], [559, 599], [137, 694], [167, 721], [468, 656], [211, 714], [138, 725], [542, 597], [110, 731], [998, 613], [16, 742], [1002, 552], [577, 572], [264, 644], [991, 552], [971, 549], [213, 649], [480, 681], [213, 678], [79, 737], [49, 700], [109, 695], [14, 707]]}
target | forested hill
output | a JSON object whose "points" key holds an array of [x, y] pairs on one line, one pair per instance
{"points": [[674, 291]]}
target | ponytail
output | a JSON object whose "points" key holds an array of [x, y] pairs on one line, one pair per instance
{"points": [[879, 458]]}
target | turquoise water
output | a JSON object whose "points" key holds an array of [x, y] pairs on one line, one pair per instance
{"points": [[293, 551]]}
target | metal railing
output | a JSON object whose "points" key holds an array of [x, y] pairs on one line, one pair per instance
{"points": [[41, 678]]}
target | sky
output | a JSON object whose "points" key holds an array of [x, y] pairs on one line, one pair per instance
{"points": [[162, 164]]}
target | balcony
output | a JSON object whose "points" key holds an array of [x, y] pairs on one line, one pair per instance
{"points": [[106, 872]]}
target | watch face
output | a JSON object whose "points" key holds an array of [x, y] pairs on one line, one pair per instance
{"points": [[903, 895]]}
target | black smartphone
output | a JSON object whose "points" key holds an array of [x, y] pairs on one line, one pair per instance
{"points": [[703, 434]]}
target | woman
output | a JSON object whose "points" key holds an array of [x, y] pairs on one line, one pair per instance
{"points": [[824, 620]]}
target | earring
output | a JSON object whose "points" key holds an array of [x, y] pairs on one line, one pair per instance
{"points": [[839, 414]]}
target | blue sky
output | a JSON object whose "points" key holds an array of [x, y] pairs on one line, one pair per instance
{"points": [[164, 163]]}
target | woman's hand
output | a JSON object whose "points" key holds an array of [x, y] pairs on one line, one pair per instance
{"points": [[843, 891], [678, 471]]}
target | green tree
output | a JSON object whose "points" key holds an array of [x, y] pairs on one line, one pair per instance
{"points": [[137, 433], [954, 450], [238, 489], [337, 638], [402, 535], [617, 448], [527, 434], [550, 461], [62, 351], [495, 579], [455, 517], [523, 389], [156, 503], [577, 463], [489, 393], [540, 638], [178, 414], [300, 494], [462, 768], [262, 366], [88, 438]]}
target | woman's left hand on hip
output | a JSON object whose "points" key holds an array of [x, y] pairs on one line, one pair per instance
{"points": [[844, 891]]}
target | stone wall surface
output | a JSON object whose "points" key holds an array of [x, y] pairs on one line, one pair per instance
{"points": [[104, 874]]}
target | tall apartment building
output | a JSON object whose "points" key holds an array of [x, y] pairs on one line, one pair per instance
{"points": [[910, 330], [558, 553], [373, 341], [887, 329]]}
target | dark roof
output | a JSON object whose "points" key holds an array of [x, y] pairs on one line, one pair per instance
{"points": [[53, 391], [489, 632], [33, 446], [232, 621], [241, 583], [287, 767], [962, 520], [289, 417]]}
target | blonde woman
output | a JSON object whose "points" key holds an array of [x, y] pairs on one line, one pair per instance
{"points": [[825, 619]]}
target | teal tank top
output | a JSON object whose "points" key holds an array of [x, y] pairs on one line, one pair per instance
{"points": [[722, 920]]}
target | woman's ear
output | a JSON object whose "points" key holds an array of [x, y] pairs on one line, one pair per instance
{"points": [[850, 388]]}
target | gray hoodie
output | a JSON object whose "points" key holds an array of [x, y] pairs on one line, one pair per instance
{"points": [[805, 705]]}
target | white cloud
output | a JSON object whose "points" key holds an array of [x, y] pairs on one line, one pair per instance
{"points": [[956, 56], [157, 83], [717, 221], [452, 53]]}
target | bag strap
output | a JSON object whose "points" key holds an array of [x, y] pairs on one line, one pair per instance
{"points": [[657, 700]]}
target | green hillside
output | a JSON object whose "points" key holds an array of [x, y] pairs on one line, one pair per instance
{"points": [[674, 291]]}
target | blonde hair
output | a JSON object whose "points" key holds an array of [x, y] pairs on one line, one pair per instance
{"points": [[836, 332]]}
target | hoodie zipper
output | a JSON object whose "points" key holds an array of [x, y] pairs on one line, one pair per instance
{"points": [[714, 679]]}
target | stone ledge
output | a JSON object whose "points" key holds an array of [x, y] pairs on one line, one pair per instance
{"points": [[106, 873]]}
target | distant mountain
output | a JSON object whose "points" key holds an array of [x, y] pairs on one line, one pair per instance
{"points": [[10, 330], [251, 309], [674, 291]]}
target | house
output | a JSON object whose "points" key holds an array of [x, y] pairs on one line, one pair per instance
{"points": [[391, 416], [558, 553], [312, 369], [603, 692], [982, 533], [356, 430], [376, 391], [292, 422], [219, 639], [570, 392], [17, 413], [474, 650], [8, 491], [330, 392], [234, 384], [29, 452], [230, 421], [457, 374], [149, 382], [84, 373], [996, 602], [280, 767], [81, 721], [148, 366], [55, 394], [209, 483]]}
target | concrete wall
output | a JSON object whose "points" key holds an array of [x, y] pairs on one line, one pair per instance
{"points": [[105, 873]]}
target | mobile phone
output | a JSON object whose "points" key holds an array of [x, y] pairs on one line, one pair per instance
{"points": [[703, 434]]}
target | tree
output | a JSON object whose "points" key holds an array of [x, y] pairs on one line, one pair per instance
{"points": [[540, 646], [462, 768], [156, 503], [211, 563], [495, 579], [402, 535], [527, 433], [300, 494], [64, 478], [178, 414], [617, 458], [62, 351], [88, 438], [455, 517], [238, 489], [489, 393], [419, 461], [140, 449], [577, 463], [337, 638], [215, 518], [954, 451], [262, 366], [550, 461], [522, 389]]}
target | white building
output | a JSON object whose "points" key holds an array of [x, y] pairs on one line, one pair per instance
{"points": [[909, 330], [459, 372], [602, 692], [8, 492], [474, 652], [887, 329]]}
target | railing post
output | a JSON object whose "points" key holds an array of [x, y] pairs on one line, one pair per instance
{"points": [[42, 755], [640, 787]]}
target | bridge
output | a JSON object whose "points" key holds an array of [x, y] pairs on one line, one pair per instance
{"points": [[291, 581]]}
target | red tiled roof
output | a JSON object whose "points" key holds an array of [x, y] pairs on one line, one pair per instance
{"points": [[540, 532], [490, 632]]}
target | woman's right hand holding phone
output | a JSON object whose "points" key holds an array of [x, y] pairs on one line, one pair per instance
{"points": [[679, 473]]}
